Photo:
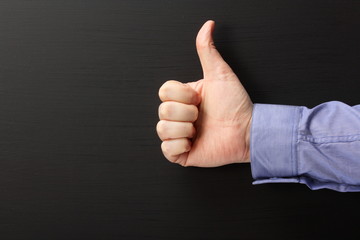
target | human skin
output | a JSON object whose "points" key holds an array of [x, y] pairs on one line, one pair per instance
{"points": [[206, 123]]}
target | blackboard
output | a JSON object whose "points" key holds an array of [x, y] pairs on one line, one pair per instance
{"points": [[79, 154]]}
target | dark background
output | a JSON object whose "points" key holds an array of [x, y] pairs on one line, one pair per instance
{"points": [[79, 155]]}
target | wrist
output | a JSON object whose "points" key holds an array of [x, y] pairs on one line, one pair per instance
{"points": [[247, 140]]}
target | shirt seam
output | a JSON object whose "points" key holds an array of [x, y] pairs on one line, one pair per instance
{"points": [[332, 139], [300, 114], [320, 180], [293, 160], [302, 177]]}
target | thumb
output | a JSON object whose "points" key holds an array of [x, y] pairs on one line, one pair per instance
{"points": [[211, 61]]}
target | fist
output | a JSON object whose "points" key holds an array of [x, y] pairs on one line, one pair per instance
{"points": [[206, 123], [177, 114]]}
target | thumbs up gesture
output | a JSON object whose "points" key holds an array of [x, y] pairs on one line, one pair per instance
{"points": [[206, 123]]}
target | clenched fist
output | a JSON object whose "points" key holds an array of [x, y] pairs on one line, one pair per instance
{"points": [[206, 123]]}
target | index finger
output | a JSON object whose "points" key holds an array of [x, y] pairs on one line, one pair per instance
{"points": [[178, 92]]}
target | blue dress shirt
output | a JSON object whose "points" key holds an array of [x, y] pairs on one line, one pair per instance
{"points": [[319, 147]]}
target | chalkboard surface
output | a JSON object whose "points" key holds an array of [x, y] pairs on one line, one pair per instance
{"points": [[79, 155]]}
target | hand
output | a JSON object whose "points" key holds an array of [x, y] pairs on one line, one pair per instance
{"points": [[206, 123]]}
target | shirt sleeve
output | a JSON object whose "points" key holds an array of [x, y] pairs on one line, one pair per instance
{"points": [[319, 147]]}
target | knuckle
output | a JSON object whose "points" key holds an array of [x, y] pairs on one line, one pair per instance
{"points": [[159, 110], [224, 72], [201, 44], [205, 44], [164, 110], [161, 129], [163, 92], [165, 149], [166, 88]]}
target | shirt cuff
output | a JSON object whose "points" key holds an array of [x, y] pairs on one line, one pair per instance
{"points": [[273, 140]]}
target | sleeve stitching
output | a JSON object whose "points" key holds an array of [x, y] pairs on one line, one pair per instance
{"points": [[297, 140], [332, 139]]}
